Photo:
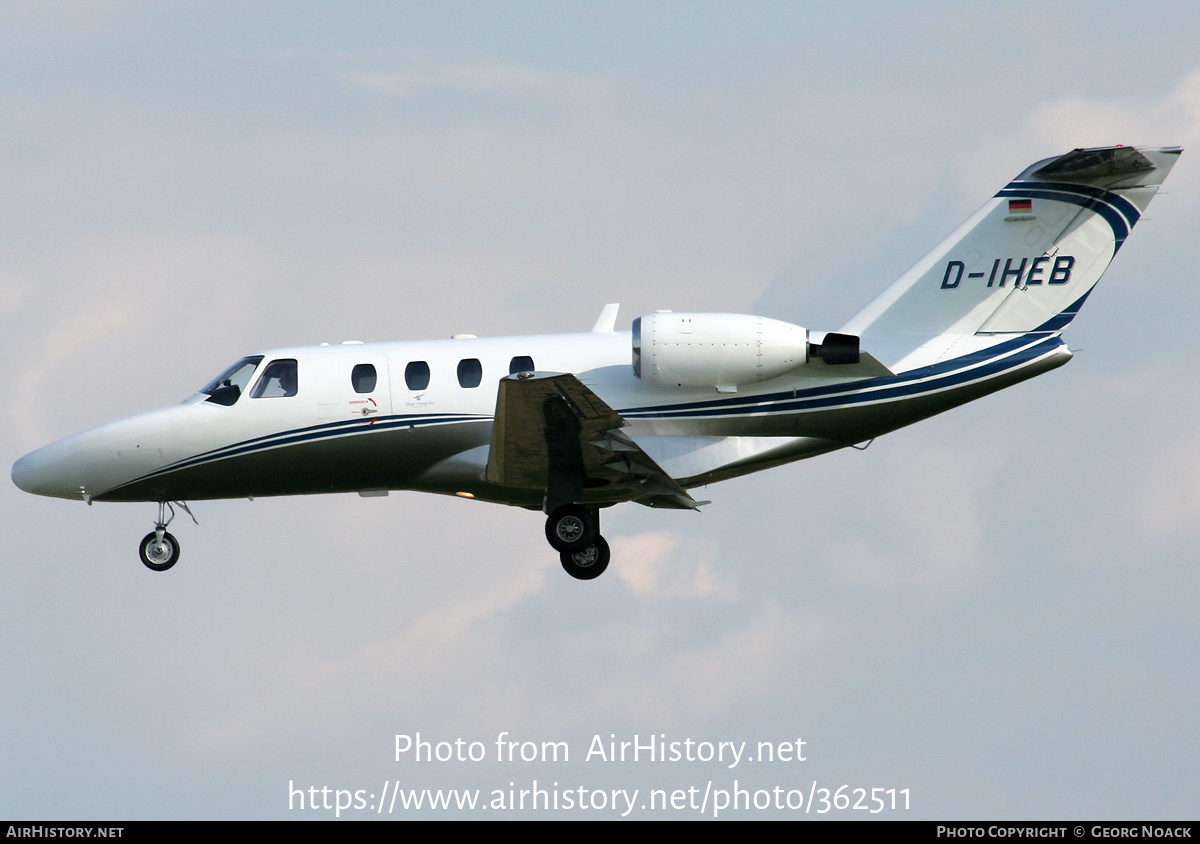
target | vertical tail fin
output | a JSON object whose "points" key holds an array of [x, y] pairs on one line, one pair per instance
{"points": [[1024, 262]]}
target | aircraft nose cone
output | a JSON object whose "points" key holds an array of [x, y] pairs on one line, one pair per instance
{"points": [[90, 464], [20, 473], [29, 473], [43, 473]]}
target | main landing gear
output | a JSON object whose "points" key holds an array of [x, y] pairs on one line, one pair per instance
{"points": [[574, 532], [160, 550], [589, 563]]}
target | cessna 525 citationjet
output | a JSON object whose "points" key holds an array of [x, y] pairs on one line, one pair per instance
{"points": [[570, 424]]}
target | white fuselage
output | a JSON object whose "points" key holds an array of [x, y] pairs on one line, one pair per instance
{"points": [[432, 432]]}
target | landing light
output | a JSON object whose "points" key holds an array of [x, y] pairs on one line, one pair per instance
{"points": [[465, 494]]}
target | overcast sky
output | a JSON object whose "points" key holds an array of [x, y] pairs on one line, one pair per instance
{"points": [[994, 609]]}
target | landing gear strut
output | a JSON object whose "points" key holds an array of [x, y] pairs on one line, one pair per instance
{"points": [[160, 550], [574, 532]]}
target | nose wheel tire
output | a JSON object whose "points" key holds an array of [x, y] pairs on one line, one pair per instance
{"points": [[159, 554], [588, 563], [571, 528]]}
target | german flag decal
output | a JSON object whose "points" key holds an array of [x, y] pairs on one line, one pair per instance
{"points": [[1020, 206]]}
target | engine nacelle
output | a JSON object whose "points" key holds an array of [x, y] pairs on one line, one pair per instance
{"points": [[715, 350]]}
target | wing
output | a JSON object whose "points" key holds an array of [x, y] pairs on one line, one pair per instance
{"points": [[554, 434]]}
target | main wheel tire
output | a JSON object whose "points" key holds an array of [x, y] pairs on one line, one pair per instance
{"points": [[589, 563], [159, 555], [571, 528]]}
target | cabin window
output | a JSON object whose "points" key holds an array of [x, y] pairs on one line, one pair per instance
{"points": [[470, 372], [521, 363], [363, 378], [416, 375], [227, 387], [277, 381]]}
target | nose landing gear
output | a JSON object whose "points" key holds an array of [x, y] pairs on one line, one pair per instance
{"points": [[160, 550]]}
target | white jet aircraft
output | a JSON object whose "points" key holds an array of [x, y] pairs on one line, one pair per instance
{"points": [[568, 424]]}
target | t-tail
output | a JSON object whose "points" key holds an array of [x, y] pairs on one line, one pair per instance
{"points": [[1022, 264]]}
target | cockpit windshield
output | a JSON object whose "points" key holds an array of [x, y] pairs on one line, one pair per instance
{"points": [[227, 387]]}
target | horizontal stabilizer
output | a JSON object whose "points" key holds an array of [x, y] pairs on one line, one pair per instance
{"points": [[1087, 166]]}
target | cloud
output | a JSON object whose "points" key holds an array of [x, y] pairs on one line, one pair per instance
{"points": [[436, 666], [774, 654], [64, 340], [1069, 121], [1143, 498], [428, 72], [652, 566]]}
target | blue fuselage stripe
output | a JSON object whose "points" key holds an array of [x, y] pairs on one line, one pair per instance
{"points": [[754, 403], [980, 365], [330, 430], [926, 380]]}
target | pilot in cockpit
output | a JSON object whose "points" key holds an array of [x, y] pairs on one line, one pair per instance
{"points": [[279, 379]]}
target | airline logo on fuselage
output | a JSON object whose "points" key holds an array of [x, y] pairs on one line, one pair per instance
{"points": [[1040, 271], [366, 408]]}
